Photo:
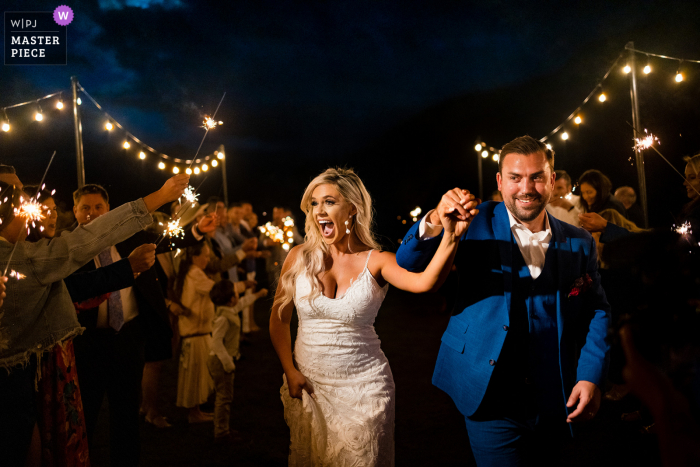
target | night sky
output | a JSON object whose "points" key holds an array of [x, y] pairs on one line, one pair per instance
{"points": [[398, 90]]}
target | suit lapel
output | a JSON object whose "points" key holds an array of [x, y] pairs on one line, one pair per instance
{"points": [[504, 239]]}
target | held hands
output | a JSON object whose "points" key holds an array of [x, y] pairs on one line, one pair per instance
{"points": [[262, 293], [592, 222], [250, 244], [142, 258], [173, 188], [296, 382], [588, 396], [456, 210]]}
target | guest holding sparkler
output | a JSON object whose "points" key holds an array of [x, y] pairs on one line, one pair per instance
{"points": [[38, 312]]}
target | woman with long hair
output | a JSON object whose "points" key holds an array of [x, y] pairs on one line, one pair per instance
{"points": [[595, 189], [691, 211], [338, 390]]}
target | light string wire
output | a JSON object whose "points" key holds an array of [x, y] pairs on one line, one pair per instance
{"points": [[141, 143], [34, 101]]}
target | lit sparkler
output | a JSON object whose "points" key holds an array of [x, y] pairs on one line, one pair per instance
{"points": [[173, 229], [190, 195], [210, 123], [17, 275], [283, 235], [683, 229], [645, 143], [31, 210]]}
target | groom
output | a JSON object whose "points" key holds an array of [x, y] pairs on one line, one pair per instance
{"points": [[524, 352]]}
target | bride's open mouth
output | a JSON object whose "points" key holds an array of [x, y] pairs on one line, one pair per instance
{"points": [[327, 228]]}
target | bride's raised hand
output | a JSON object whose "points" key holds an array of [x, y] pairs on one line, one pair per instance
{"points": [[296, 382]]}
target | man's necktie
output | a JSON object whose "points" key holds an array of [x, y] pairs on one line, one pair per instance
{"points": [[115, 311]]}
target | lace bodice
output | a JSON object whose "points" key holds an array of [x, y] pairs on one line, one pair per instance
{"points": [[350, 420]]}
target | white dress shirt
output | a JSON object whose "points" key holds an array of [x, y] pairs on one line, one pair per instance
{"points": [[129, 305], [533, 246]]}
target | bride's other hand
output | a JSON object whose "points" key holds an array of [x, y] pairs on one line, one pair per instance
{"points": [[296, 382]]}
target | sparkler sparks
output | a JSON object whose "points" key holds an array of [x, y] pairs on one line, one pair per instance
{"points": [[174, 229], [283, 235], [190, 195], [17, 275], [30, 210], [210, 123], [683, 229], [645, 143]]}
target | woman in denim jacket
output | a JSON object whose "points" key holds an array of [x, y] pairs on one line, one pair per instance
{"points": [[38, 311]]}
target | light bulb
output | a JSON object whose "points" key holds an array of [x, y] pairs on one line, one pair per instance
{"points": [[484, 154], [679, 77], [647, 70], [142, 155], [214, 163], [495, 157], [578, 120], [565, 136], [602, 97], [627, 69], [109, 126], [196, 170], [5, 126], [477, 147], [549, 146], [38, 116], [220, 155], [79, 101], [126, 145], [188, 171], [176, 170], [205, 167], [59, 105], [161, 165]]}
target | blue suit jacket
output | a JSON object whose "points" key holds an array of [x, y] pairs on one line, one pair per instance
{"points": [[474, 338]]}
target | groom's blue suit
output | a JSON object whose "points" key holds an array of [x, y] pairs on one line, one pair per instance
{"points": [[490, 269]]}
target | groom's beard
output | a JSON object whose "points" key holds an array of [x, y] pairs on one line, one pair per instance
{"points": [[529, 211]]}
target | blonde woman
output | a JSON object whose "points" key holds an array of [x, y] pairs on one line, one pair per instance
{"points": [[338, 390]]}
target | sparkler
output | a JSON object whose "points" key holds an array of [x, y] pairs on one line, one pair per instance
{"points": [[41, 184], [683, 229], [172, 230], [190, 195], [17, 275], [648, 143], [209, 123], [283, 235]]}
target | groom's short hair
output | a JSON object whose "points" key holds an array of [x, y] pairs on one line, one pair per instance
{"points": [[526, 145]]}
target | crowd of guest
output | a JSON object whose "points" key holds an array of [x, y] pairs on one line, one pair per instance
{"points": [[112, 299]]}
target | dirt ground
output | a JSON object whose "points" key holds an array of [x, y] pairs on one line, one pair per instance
{"points": [[429, 429]]}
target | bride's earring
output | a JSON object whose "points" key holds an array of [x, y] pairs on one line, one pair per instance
{"points": [[347, 228]]}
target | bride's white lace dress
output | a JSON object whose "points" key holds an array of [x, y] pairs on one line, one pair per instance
{"points": [[351, 420]]}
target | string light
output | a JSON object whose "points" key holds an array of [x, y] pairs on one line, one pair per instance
{"points": [[602, 97], [549, 146], [59, 104], [38, 116], [109, 126], [647, 69], [126, 145], [205, 167], [578, 120], [79, 101], [220, 155], [484, 154], [161, 165], [627, 69], [196, 170], [5, 126], [176, 170], [495, 157], [477, 147], [188, 171], [214, 163], [679, 77], [142, 155], [565, 136]]}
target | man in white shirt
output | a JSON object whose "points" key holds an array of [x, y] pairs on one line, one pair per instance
{"points": [[564, 205]]}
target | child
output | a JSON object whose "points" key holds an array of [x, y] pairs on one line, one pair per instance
{"points": [[192, 286], [224, 348]]}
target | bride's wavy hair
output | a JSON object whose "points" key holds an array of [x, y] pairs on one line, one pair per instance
{"points": [[311, 253]]}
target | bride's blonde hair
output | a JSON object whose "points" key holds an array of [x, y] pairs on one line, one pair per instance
{"points": [[311, 253]]}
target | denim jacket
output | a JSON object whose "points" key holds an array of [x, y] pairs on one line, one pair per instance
{"points": [[38, 311]]}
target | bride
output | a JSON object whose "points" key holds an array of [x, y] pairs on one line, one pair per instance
{"points": [[338, 390]]}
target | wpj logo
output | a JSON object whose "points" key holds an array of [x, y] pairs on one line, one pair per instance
{"points": [[36, 38]]}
